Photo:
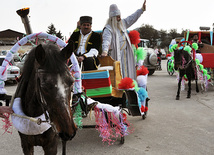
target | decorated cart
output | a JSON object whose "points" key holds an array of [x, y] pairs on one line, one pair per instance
{"points": [[206, 50], [111, 96], [105, 89], [202, 53]]}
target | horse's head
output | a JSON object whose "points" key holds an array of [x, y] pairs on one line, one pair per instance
{"points": [[182, 59], [51, 87], [178, 58]]}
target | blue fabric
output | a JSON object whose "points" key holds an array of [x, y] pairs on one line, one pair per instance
{"points": [[211, 38], [95, 75], [142, 94]]}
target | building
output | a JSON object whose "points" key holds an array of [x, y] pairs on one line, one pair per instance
{"points": [[10, 37]]}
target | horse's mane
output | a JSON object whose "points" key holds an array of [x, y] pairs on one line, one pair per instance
{"points": [[54, 64]]}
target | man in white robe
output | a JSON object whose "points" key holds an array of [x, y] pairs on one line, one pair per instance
{"points": [[116, 41]]}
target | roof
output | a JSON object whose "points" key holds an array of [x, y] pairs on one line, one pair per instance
{"points": [[202, 35], [10, 34]]}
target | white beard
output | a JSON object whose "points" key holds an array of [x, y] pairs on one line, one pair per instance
{"points": [[116, 25]]}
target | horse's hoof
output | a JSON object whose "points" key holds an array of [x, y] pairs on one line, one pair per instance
{"points": [[197, 91], [188, 96], [177, 97]]}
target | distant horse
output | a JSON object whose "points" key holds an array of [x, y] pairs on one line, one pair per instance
{"points": [[186, 65], [45, 88]]}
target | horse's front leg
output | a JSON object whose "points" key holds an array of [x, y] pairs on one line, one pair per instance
{"points": [[64, 147], [27, 147], [179, 88], [50, 147], [189, 88]]}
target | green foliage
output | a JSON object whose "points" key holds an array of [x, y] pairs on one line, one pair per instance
{"points": [[52, 30]]}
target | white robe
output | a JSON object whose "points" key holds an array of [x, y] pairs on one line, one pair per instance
{"points": [[119, 45]]}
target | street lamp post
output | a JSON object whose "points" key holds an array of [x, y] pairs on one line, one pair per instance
{"points": [[23, 14]]}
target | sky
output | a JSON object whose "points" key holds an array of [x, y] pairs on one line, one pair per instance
{"points": [[64, 14]]}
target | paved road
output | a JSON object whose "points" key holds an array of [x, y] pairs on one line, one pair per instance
{"points": [[183, 127]]}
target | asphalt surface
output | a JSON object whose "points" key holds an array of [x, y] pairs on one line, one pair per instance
{"points": [[172, 127]]}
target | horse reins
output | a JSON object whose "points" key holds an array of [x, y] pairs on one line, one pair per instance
{"points": [[187, 64], [43, 103]]}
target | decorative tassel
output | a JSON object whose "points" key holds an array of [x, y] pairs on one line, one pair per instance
{"points": [[111, 127], [7, 127], [146, 109], [140, 53], [78, 116], [142, 71], [188, 49], [142, 94], [142, 109], [126, 83], [134, 37]]}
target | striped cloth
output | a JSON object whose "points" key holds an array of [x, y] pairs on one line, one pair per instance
{"points": [[97, 83]]}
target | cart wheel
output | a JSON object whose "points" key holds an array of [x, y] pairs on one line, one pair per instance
{"points": [[170, 70], [144, 116], [145, 113], [122, 140]]}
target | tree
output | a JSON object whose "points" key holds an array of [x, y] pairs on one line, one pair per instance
{"points": [[148, 32], [52, 31], [59, 35], [164, 39], [173, 33]]}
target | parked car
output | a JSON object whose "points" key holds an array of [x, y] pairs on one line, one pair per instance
{"points": [[12, 70], [16, 58], [4, 52], [151, 59]]}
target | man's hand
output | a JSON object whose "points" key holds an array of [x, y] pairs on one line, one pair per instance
{"points": [[104, 54], [80, 59], [144, 6]]}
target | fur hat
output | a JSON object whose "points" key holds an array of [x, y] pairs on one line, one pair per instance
{"points": [[85, 19], [113, 10]]}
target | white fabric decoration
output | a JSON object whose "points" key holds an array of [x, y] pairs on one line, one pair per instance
{"points": [[199, 57], [77, 74], [93, 52], [109, 108], [15, 48], [106, 68], [142, 80], [173, 42], [140, 63], [26, 126]]}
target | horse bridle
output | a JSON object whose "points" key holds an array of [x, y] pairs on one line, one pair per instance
{"points": [[184, 66], [43, 103]]}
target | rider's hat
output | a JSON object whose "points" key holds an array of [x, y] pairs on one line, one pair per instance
{"points": [[113, 10], [85, 19]]}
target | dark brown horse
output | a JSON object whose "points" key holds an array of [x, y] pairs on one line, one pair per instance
{"points": [[45, 88], [186, 66]]}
